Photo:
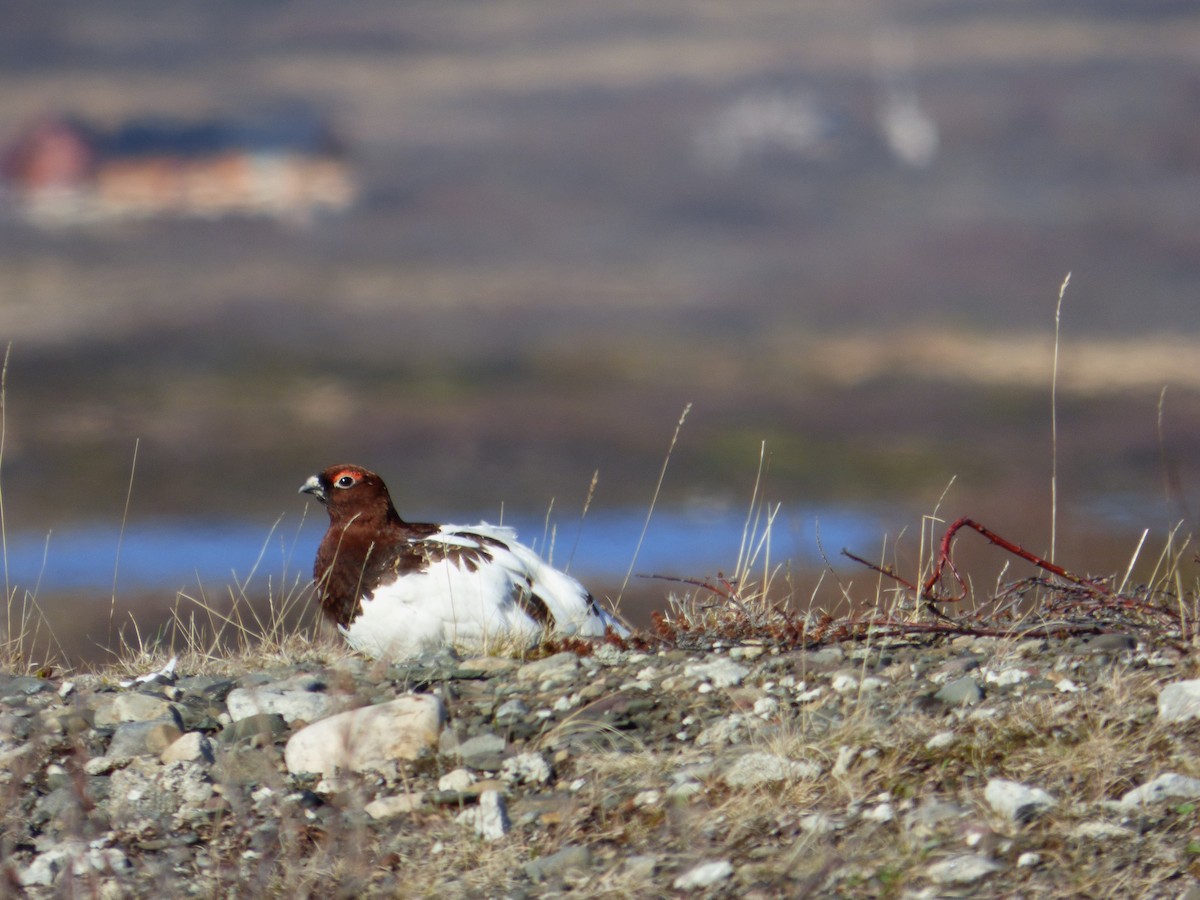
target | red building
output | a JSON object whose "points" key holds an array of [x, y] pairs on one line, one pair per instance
{"points": [[63, 171]]}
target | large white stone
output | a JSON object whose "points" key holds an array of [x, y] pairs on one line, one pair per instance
{"points": [[1179, 701], [367, 738], [704, 875], [1169, 786]]}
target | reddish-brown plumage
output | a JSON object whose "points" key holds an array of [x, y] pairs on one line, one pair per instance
{"points": [[367, 541], [368, 544]]}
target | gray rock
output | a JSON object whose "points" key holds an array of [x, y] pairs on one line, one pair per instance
{"points": [[953, 668], [12, 753], [63, 807], [23, 685], [962, 869], [135, 707], [430, 668], [932, 813], [368, 738], [704, 875], [964, 691], [881, 813], [57, 776], [1179, 701], [46, 866], [259, 726], [398, 805], [565, 860], [1164, 787], [1110, 643], [171, 795], [639, 868], [735, 728], [1009, 676], [1101, 831], [721, 672], [106, 765], [75, 720], [851, 681], [143, 738], [207, 687], [483, 751], [14, 729], [941, 740], [511, 711], [245, 765], [1015, 801], [292, 705], [747, 652], [826, 657], [549, 671], [191, 747], [457, 780], [491, 665]]}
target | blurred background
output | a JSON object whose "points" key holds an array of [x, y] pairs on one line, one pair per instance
{"points": [[491, 249]]}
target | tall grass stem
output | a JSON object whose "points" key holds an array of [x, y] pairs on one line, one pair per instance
{"points": [[1054, 420], [653, 501]]}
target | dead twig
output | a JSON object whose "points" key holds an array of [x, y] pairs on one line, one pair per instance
{"points": [[946, 561]]}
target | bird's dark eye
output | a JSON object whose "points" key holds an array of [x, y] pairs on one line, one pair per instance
{"points": [[346, 481]]}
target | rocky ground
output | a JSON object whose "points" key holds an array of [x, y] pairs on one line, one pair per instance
{"points": [[963, 766]]}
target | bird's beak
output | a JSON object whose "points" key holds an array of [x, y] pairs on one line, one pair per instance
{"points": [[313, 486]]}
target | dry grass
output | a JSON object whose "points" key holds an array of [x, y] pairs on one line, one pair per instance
{"points": [[1085, 749], [27, 642]]}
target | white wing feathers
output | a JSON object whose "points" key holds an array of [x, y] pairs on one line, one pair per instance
{"points": [[475, 600]]}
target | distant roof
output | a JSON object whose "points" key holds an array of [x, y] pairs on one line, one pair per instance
{"points": [[167, 137]]}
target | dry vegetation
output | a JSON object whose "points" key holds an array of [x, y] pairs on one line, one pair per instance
{"points": [[641, 790], [803, 835]]}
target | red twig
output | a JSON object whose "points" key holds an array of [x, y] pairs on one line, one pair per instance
{"points": [[725, 589], [887, 571], [945, 561]]}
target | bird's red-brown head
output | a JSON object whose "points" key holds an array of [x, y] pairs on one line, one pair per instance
{"points": [[364, 538], [352, 494]]}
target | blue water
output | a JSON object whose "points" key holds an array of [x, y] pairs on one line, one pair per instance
{"points": [[174, 555]]}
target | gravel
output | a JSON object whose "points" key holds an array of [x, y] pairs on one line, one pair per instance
{"points": [[908, 769]]}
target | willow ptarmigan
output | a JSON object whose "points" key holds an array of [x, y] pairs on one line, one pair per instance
{"points": [[399, 589]]}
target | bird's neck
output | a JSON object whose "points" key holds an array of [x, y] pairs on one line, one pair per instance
{"points": [[377, 520]]}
